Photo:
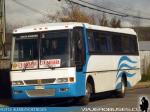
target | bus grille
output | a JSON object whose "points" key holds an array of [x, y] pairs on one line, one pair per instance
{"points": [[40, 81], [41, 92]]}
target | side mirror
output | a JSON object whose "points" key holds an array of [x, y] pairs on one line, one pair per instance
{"points": [[79, 66]]}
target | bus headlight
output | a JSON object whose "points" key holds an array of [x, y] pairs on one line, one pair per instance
{"points": [[17, 83], [65, 80], [62, 80]]}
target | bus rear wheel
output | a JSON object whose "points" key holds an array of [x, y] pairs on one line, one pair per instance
{"points": [[121, 92], [84, 100]]}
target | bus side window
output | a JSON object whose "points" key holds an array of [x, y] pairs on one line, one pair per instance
{"points": [[101, 42], [91, 41], [133, 45], [79, 48], [126, 44], [117, 44]]}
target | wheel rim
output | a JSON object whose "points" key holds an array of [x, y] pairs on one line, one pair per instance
{"points": [[122, 87], [88, 91]]}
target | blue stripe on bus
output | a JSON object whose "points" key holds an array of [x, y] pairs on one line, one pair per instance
{"points": [[85, 39], [129, 75], [122, 64], [81, 76], [125, 58], [118, 86]]}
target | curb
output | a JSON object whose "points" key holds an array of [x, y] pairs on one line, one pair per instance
{"points": [[141, 85]]}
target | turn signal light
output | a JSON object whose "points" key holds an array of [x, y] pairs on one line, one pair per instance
{"points": [[71, 79]]}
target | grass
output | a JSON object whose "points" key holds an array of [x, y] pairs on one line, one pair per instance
{"points": [[146, 77]]}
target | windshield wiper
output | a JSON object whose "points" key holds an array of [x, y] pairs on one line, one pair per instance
{"points": [[25, 67], [51, 67]]}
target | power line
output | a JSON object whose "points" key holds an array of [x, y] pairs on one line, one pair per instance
{"points": [[111, 13], [37, 11], [30, 8], [103, 7], [120, 14]]}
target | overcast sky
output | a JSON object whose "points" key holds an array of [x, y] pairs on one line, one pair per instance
{"points": [[17, 14]]}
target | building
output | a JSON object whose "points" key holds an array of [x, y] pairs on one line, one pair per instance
{"points": [[143, 33], [144, 48]]}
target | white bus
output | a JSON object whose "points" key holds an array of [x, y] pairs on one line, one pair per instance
{"points": [[72, 60]]}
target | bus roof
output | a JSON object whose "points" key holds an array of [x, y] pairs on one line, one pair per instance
{"points": [[69, 25]]}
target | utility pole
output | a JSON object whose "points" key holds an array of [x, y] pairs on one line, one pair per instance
{"points": [[2, 26]]}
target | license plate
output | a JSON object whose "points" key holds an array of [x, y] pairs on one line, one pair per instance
{"points": [[39, 87]]}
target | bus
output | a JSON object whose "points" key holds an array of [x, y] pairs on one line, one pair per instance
{"points": [[73, 60]]}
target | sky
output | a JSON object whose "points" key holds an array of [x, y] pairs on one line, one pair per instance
{"points": [[17, 14]]}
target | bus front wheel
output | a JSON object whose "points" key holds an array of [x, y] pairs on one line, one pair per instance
{"points": [[84, 100]]}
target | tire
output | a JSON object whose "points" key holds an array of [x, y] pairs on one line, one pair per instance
{"points": [[85, 99], [121, 92]]}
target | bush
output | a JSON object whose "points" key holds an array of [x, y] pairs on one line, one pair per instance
{"points": [[146, 77]]}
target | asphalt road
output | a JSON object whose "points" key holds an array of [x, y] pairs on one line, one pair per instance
{"points": [[131, 100]]}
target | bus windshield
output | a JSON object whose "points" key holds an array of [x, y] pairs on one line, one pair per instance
{"points": [[46, 49], [26, 49], [55, 46]]}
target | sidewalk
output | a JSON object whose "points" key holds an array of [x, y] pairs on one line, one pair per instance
{"points": [[142, 85]]}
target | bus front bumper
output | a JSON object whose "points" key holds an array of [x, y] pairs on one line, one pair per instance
{"points": [[45, 91]]}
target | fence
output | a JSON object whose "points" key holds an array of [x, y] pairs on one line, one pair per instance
{"points": [[145, 61]]}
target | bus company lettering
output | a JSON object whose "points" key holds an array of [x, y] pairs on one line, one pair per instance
{"points": [[28, 64], [34, 64], [52, 62]]}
